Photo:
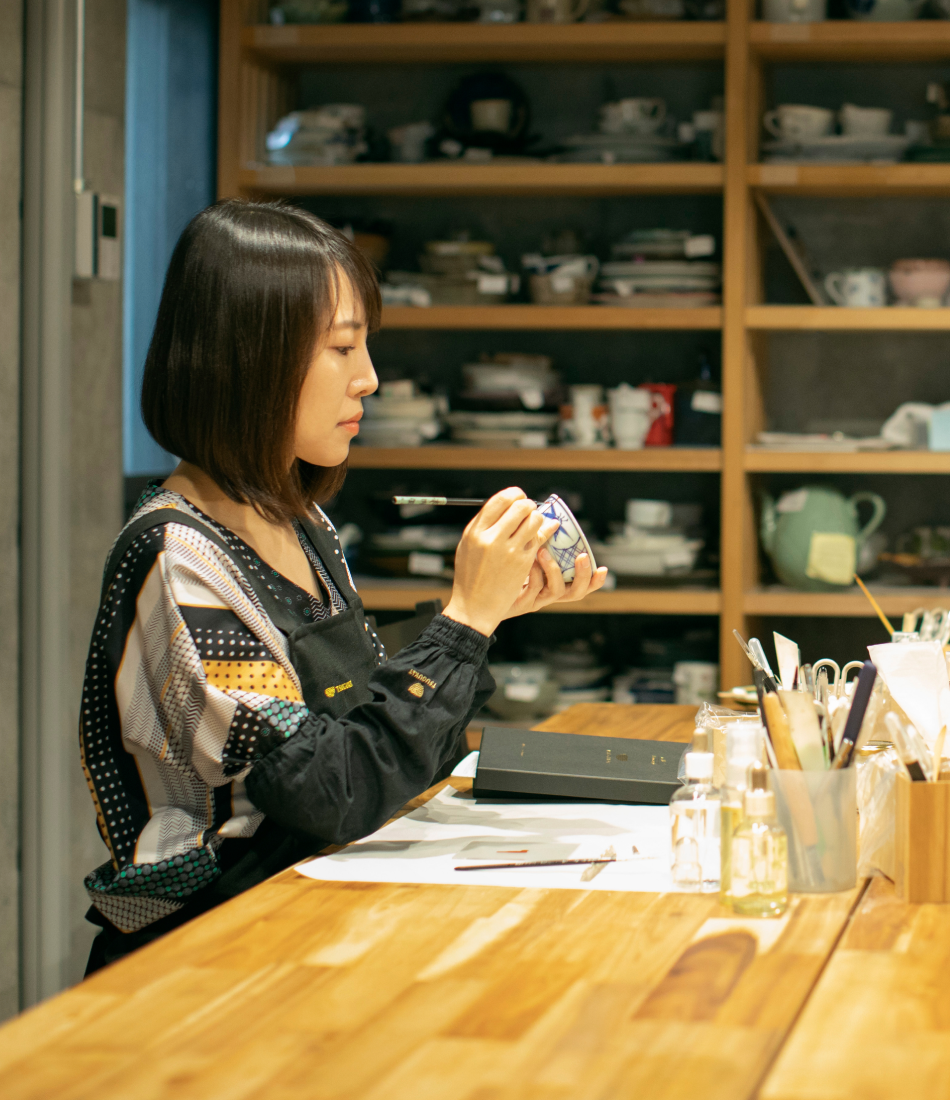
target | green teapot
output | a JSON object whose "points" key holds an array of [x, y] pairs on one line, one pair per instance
{"points": [[812, 536]]}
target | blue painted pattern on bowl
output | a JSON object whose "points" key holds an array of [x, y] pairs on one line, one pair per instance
{"points": [[568, 540]]}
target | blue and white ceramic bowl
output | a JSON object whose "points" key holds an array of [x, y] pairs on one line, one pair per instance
{"points": [[568, 540]]}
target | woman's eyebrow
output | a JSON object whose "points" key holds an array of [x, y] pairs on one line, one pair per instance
{"points": [[353, 323]]}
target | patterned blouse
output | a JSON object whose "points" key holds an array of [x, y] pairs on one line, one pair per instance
{"points": [[186, 682]]}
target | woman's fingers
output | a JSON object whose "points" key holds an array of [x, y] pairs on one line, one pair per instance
{"points": [[495, 507], [506, 526], [553, 577]]}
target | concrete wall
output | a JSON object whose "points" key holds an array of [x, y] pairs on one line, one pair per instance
{"points": [[96, 446], [11, 106]]}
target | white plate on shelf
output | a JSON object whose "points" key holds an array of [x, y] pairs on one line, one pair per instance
{"points": [[841, 148]]}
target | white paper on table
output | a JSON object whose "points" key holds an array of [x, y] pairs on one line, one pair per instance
{"points": [[916, 675], [454, 829], [467, 766]]}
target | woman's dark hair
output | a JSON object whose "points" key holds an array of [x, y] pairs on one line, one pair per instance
{"points": [[251, 290]]}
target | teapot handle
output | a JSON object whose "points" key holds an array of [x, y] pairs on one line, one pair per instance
{"points": [[880, 511], [768, 524]]}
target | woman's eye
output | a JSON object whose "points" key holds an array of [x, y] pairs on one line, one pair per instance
{"points": [[345, 350]]}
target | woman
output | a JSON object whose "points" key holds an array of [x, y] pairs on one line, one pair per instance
{"points": [[238, 711]]}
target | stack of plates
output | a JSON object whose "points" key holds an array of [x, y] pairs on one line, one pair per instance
{"points": [[618, 149], [664, 244], [503, 429], [415, 551], [659, 282], [398, 417], [838, 149], [510, 382]]}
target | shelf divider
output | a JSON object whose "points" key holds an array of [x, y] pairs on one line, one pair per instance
{"points": [[697, 460], [452, 43], [549, 318], [377, 595], [840, 319], [857, 462], [850, 603], [441, 178]]}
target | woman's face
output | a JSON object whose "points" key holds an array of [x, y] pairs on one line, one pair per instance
{"points": [[340, 375]]}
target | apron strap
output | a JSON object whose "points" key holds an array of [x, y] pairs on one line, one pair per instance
{"points": [[281, 618]]}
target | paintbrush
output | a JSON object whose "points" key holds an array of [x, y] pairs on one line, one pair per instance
{"points": [[770, 684], [860, 698], [535, 863], [441, 502], [873, 602], [905, 750]]}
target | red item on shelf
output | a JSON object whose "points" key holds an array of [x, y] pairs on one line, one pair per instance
{"points": [[661, 430]]}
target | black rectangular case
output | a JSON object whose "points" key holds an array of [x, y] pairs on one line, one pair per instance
{"points": [[576, 766]]}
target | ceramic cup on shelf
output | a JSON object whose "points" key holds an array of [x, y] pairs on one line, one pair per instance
{"points": [[794, 11], [568, 540], [648, 513], [637, 115], [632, 413], [798, 121], [587, 426], [555, 11], [492, 115], [864, 121], [857, 287], [922, 283]]}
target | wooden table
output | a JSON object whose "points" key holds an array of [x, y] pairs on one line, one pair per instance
{"points": [[306, 989]]}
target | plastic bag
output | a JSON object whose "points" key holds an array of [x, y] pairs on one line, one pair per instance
{"points": [[877, 810], [716, 720]]}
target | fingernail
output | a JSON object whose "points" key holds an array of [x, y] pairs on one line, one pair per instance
{"points": [[544, 555]]}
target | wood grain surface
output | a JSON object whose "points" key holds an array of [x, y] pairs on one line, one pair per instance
{"points": [[878, 1024], [305, 989]]}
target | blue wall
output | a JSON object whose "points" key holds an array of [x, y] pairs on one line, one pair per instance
{"points": [[171, 109]]}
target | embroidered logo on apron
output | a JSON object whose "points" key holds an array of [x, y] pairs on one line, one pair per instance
{"points": [[331, 691], [417, 690]]}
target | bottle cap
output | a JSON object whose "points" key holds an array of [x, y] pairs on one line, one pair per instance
{"points": [[699, 765], [700, 740], [759, 801]]}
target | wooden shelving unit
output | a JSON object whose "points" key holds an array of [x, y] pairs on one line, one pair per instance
{"points": [[861, 462], [848, 41], [850, 603], [549, 318], [837, 319], [379, 596], [851, 180], [454, 43], [451, 178], [698, 460], [258, 64]]}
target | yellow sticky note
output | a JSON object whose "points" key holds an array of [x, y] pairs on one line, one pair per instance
{"points": [[831, 558]]}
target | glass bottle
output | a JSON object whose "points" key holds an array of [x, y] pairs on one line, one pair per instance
{"points": [[759, 854], [743, 749], [694, 820]]}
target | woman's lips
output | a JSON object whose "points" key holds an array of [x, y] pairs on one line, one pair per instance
{"points": [[351, 425]]}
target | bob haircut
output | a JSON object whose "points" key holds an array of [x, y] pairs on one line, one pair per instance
{"points": [[250, 294]]}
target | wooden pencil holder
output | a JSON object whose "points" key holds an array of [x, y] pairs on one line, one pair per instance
{"points": [[922, 841]]}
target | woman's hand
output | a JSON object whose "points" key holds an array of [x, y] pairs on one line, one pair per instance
{"points": [[495, 559], [545, 584]]}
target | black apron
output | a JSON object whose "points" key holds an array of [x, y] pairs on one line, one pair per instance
{"points": [[333, 657]]}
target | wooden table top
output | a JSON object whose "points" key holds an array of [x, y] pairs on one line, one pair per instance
{"points": [[306, 989]]}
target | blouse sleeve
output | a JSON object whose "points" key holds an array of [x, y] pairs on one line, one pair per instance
{"points": [[338, 779]]}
